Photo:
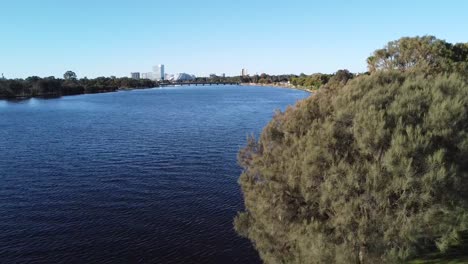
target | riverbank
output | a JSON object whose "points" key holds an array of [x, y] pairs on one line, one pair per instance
{"points": [[278, 85], [51, 95], [52, 87], [57, 95], [60, 92]]}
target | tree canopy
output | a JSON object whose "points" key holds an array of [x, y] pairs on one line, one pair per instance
{"points": [[69, 75], [374, 169], [425, 54], [50, 86]]}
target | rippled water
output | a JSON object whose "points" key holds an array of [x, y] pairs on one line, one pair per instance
{"points": [[146, 176]]}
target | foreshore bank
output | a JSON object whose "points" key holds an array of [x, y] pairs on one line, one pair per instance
{"points": [[114, 89], [281, 85]]}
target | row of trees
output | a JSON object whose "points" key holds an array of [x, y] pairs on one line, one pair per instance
{"points": [[313, 82], [262, 78], [318, 80], [69, 85], [372, 169]]}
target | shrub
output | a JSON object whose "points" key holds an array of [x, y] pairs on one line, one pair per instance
{"points": [[376, 170]]}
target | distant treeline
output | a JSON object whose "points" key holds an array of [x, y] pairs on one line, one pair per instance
{"points": [[262, 78], [312, 82], [69, 85]]}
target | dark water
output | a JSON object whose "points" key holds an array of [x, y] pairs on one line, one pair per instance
{"points": [[147, 176]]}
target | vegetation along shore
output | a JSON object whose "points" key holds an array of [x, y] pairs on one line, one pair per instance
{"points": [[70, 84], [371, 168]]}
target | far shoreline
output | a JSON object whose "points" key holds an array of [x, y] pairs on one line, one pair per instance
{"points": [[284, 86], [127, 89]]}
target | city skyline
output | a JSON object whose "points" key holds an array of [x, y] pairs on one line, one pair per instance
{"points": [[96, 39], [159, 74]]}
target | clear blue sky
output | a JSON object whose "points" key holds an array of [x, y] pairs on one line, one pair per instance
{"points": [[104, 38]]}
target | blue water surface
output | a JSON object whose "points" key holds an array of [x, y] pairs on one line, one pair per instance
{"points": [[143, 176]]}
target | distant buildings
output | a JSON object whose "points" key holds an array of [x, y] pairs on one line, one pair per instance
{"points": [[244, 72], [135, 75], [159, 72], [148, 75], [156, 75], [214, 76], [184, 77]]}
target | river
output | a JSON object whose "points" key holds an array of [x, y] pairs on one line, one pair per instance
{"points": [[142, 176]]}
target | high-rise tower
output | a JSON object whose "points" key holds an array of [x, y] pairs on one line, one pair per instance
{"points": [[159, 72]]}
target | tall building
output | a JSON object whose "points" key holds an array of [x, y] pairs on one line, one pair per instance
{"points": [[244, 72], [135, 75], [159, 72]]}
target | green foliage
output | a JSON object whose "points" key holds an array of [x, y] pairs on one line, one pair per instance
{"points": [[69, 75], [36, 86], [372, 171], [427, 55], [262, 79], [314, 81], [318, 80]]}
